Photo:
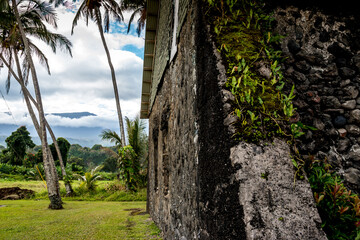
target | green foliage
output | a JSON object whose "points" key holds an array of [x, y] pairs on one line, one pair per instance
{"points": [[17, 143], [338, 207], [64, 146], [129, 167], [88, 181], [17, 172], [243, 36], [110, 164], [89, 158]]}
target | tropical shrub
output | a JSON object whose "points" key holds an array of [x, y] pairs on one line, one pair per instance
{"points": [[129, 167], [338, 207]]}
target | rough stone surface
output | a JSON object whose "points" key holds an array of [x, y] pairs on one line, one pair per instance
{"points": [[203, 185], [274, 207], [324, 64]]}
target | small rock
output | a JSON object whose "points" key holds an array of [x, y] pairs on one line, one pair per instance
{"points": [[330, 110], [265, 72], [293, 46], [227, 108], [230, 119], [352, 91], [342, 132], [331, 71], [354, 154], [11, 197], [351, 104], [339, 121], [352, 175], [345, 82], [319, 124], [333, 133], [316, 99], [300, 104], [346, 72], [358, 100], [331, 102], [343, 145], [334, 158], [353, 129], [227, 96], [355, 116]]}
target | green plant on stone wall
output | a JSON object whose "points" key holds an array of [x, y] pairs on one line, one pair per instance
{"points": [[244, 38]]}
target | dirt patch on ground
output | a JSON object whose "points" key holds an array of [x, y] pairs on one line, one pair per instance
{"points": [[15, 193], [136, 211]]}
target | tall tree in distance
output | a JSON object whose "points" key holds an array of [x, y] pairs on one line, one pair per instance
{"points": [[17, 143], [91, 9]]}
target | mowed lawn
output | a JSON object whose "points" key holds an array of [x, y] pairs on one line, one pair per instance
{"points": [[31, 219]]}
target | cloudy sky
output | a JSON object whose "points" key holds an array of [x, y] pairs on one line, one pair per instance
{"points": [[83, 83]]}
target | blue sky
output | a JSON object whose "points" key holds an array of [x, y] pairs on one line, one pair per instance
{"points": [[83, 83]]}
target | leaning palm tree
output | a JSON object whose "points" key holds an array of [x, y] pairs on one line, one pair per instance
{"points": [[112, 137], [91, 9], [35, 21], [138, 7]]}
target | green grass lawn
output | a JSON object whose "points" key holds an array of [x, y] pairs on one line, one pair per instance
{"points": [[30, 219]]}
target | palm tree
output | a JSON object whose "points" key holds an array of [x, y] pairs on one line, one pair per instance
{"points": [[111, 136], [35, 13], [137, 7], [136, 136], [11, 45], [91, 8]]}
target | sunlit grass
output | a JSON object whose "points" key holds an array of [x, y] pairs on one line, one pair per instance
{"points": [[30, 219]]}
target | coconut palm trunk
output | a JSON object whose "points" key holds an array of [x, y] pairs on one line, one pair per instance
{"points": [[113, 77], [49, 165], [27, 97]]}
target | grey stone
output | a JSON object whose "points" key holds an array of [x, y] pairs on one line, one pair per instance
{"points": [[331, 71], [331, 102], [227, 96], [352, 91], [334, 158], [11, 197], [353, 129], [354, 154], [350, 104], [345, 82], [339, 121], [273, 204], [355, 116], [265, 72], [319, 124], [352, 176], [342, 132], [343, 145]]}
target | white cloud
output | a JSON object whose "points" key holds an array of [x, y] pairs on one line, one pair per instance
{"points": [[82, 83]]}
